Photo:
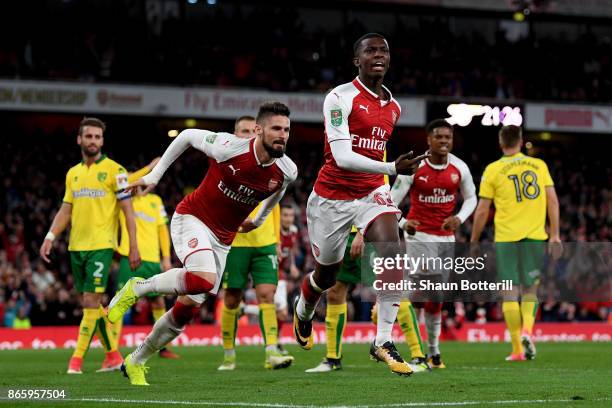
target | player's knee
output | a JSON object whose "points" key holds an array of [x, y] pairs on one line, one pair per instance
{"points": [[337, 294], [232, 298], [91, 300], [199, 282], [325, 276], [265, 293]]}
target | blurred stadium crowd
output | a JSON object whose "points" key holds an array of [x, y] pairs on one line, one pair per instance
{"points": [[32, 185], [293, 49]]}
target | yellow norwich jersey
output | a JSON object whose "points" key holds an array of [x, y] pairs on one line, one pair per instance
{"points": [[517, 185], [266, 234], [93, 192], [150, 214]]}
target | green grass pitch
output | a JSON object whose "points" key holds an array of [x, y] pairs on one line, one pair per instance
{"points": [[564, 374]]}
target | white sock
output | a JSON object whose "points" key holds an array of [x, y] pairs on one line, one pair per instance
{"points": [[271, 347], [229, 353], [251, 310], [171, 282], [433, 323], [387, 313], [164, 331], [304, 310]]}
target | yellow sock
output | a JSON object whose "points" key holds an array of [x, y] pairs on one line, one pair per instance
{"points": [[512, 314], [87, 329], [529, 308], [104, 331], [158, 313], [268, 323], [409, 324], [229, 321], [115, 329], [335, 322]]}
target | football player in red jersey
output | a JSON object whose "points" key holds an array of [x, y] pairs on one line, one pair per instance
{"points": [[289, 236], [350, 190], [431, 223], [242, 173]]}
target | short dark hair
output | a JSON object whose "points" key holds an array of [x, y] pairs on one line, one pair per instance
{"points": [[241, 118], [510, 135], [357, 43], [437, 123], [287, 205], [95, 122], [271, 109]]}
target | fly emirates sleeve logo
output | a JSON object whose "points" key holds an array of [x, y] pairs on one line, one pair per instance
{"points": [[376, 140], [244, 195]]}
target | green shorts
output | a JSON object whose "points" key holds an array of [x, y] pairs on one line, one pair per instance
{"points": [[145, 270], [521, 262], [90, 269], [350, 271], [261, 262]]}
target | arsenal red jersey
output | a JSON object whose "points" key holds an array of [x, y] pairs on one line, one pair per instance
{"points": [[354, 112], [234, 185], [433, 193], [288, 242]]}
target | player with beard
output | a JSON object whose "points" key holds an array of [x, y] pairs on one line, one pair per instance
{"points": [[431, 223], [242, 173], [253, 253], [95, 191], [350, 190]]}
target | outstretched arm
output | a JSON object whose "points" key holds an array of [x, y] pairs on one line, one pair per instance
{"points": [[202, 140]]}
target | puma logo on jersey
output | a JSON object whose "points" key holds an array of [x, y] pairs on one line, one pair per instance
{"points": [[233, 169], [423, 178], [365, 108]]}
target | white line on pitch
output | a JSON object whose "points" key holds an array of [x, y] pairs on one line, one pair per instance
{"points": [[274, 405]]}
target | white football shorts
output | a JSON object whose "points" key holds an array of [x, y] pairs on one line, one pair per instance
{"points": [[330, 221], [198, 249]]}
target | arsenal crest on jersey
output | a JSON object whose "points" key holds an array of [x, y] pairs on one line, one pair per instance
{"points": [[272, 184], [454, 178], [193, 242]]}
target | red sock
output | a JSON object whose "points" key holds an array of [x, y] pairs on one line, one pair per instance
{"points": [[194, 284], [182, 314], [433, 307], [311, 295]]}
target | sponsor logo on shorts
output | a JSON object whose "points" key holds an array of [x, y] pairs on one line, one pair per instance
{"points": [[193, 242]]}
